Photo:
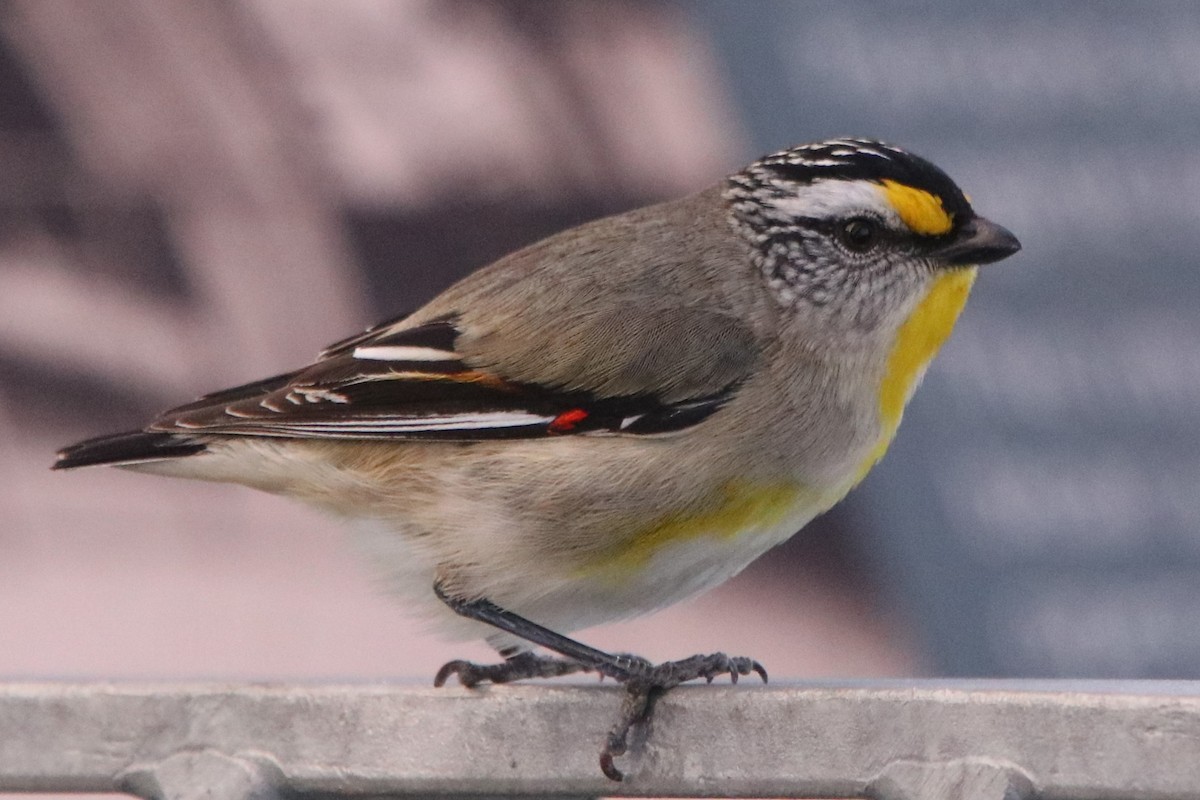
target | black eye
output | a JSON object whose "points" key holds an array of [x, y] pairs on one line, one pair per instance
{"points": [[859, 234]]}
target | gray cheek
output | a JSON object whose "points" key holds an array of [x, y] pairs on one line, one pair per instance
{"points": [[785, 266], [884, 289], [810, 271], [815, 273]]}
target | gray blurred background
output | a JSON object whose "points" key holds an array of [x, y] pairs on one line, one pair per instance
{"points": [[196, 195]]}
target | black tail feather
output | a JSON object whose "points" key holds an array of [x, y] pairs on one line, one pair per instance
{"points": [[123, 448]]}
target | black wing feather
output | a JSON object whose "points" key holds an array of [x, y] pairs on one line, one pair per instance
{"points": [[127, 448], [410, 383]]}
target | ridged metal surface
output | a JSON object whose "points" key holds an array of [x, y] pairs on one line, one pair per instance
{"points": [[896, 740]]}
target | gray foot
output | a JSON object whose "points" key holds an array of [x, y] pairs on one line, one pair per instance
{"points": [[647, 682], [522, 665]]}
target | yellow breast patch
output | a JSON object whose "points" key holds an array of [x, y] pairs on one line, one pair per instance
{"points": [[741, 507], [917, 342], [920, 210]]}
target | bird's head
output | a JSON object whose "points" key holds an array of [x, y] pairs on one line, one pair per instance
{"points": [[853, 233]]}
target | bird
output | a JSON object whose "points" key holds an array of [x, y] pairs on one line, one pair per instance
{"points": [[617, 417]]}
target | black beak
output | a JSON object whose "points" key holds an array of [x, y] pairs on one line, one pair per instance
{"points": [[978, 242]]}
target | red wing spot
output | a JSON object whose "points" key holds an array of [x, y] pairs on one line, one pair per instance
{"points": [[566, 421]]}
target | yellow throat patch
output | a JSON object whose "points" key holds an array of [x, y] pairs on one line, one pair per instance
{"points": [[917, 342]]}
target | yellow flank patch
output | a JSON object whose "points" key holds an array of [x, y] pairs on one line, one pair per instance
{"points": [[917, 342], [920, 210], [741, 507]]}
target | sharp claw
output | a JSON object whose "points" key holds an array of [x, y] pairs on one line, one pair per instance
{"points": [[733, 676], [609, 769], [761, 670], [443, 674]]}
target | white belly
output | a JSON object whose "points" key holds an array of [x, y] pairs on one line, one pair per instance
{"points": [[579, 598]]}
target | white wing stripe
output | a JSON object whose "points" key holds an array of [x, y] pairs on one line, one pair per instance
{"points": [[403, 353], [499, 419]]}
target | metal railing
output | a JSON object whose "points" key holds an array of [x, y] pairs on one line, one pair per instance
{"points": [[889, 740]]}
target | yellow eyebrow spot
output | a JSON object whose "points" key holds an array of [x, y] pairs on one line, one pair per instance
{"points": [[919, 209]]}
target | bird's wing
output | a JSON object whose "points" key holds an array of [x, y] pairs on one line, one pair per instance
{"points": [[428, 381]]}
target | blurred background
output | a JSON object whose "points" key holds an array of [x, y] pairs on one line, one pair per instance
{"points": [[196, 195]]}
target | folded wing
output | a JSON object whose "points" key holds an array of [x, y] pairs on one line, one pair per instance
{"points": [[398, 382]]}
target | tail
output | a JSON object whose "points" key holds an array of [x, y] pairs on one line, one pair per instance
{"points": [[127, 448]]}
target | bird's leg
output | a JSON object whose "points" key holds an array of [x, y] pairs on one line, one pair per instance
{"points": [[619, 667], [644, 682]]}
